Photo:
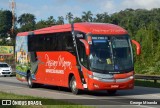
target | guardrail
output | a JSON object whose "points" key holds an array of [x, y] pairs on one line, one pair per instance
{"points": [[148, 77]]}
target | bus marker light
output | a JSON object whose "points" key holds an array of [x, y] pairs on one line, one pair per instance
{"points": [[85, 85], [114, 86], [95, 85]]}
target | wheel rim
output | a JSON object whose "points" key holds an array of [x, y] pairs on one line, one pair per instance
{"points": [[29, 81], [74, 85]]}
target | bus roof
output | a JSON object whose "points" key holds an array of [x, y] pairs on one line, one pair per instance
{"points": [[93, 28]]}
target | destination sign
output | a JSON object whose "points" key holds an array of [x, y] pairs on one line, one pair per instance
{"points": [[120, 43], [99, 37]]}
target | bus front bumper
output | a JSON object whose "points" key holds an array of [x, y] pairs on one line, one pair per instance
{"points": [[117, 84]]}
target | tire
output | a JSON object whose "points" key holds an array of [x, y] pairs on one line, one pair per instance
{"points": [[111, 92], [29, 80], [73, 84]]}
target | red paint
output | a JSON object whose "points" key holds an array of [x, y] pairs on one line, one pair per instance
{"points": [[124, 75], [86, 46], [94, 28], [107, 85], [138, 47], [54, 68], [23, 34]]}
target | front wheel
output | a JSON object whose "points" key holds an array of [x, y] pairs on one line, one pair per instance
{"points": [[111, 92], [30, 83], [73, 85]]}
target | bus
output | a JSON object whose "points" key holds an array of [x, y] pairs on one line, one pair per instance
{"points": [[79, 56]]}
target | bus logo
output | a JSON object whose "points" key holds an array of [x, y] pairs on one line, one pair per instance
{"points": [[60, 62]]}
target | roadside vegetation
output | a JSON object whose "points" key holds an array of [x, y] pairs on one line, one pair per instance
{"points": [[50, 103], [142, 25], [147, 83]]}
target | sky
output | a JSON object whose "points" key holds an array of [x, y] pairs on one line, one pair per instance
{"points": [[42, 9]]}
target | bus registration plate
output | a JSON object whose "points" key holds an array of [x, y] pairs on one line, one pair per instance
{"points": [[114, 86]]}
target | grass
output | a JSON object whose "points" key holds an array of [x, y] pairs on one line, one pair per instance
{"points": [[51, 103], [147, 83]]}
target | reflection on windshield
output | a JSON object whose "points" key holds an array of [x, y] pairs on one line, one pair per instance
{"points": [[122, 53], [110, 53], [100, 56], [4, 65]]}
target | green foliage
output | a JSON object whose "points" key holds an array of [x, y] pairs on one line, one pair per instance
{"points": [[147, 83], [69, 17], [77, 19], [60, 20], [87, 16], [142, 25], [46, 23], [46, 103], [5, 22], [27, 22]]}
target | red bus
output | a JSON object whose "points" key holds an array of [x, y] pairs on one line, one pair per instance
{"points": [[80, 56]]}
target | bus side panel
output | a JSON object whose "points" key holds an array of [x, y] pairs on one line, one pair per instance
{"points": [[22, 58], [54, 68]]}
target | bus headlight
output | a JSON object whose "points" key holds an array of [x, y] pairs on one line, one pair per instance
{"points": [[96, 78], [131, 77], [93, 77]]}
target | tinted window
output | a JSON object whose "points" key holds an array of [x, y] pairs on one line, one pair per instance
{"points": [[82, 53], [4, 65], [51, 42]]}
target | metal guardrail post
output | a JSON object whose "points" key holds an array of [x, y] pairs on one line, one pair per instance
{"points": [[148, 77]]}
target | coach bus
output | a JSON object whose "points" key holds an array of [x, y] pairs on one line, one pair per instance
{"points": [[80, 56]]}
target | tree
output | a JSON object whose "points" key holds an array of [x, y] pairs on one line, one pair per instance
{"points": [[60, 20], [104, 18], [41, 24], [46, 23], [27, 22], [51, 21], [26, 18], [87, 16], [69, 17], [77, 19], [99, 18], [5, 22]]}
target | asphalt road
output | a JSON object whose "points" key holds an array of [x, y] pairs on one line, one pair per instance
{"points": [[122, 99]]}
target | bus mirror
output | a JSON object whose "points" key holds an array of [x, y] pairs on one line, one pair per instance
{"points": [[89, 39], [86, 46], [138, 47]]}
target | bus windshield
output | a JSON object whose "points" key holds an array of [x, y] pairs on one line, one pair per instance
{"points": [[111, 53]]}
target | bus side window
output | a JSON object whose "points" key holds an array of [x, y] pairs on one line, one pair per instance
{"points": [[40, 43], [31, 43], [49, 42], [68, 43], [82, 54], [33, 56], [59, 41], [48, 46], [54, 43], [65, 42]]}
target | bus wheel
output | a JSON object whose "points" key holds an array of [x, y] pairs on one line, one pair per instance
{"points": [[111, 92], [73, 85], [29, 80]]}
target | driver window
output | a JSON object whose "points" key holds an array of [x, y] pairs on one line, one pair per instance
{"points": [[82, 54]]}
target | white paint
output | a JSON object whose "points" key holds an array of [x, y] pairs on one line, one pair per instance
{"points": [[58, 63]]}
